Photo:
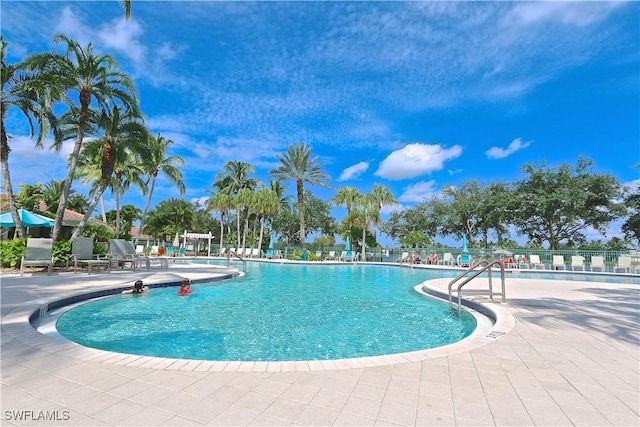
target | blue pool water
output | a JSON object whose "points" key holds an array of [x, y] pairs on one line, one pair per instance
{"points": [[275, 313]]}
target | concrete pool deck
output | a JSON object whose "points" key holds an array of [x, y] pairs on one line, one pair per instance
{"points": [[572, 357]]}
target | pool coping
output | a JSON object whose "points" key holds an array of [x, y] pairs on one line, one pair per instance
{"points": [[19, 324]]}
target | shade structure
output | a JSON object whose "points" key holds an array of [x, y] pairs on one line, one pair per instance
{"points": [[502, 252], [271, 243], [347, 244], [29, 219]]}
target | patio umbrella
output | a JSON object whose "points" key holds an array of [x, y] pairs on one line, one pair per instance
{"points": [[271, 243], [464, 245], [29, 219], [176, 241], [347, 244]]}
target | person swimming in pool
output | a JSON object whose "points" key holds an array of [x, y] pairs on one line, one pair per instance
{"points": [[185, 288], [138, 288]]}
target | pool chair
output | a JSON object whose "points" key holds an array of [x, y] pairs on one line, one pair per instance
{"points": [[155, 250], [170, 251], [277, 254], [577, 262], [39, 254], [404, 257], [223, 251], [122, 254], [331, 256], [255, 253], [447, 259], [597, 263], [319, 254], [182, 251], [140, 249], [558, 263], [624, 264], [82, 254], [534, 260]]}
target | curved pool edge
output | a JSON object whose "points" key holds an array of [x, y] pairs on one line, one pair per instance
{"points": [[18, 323]]}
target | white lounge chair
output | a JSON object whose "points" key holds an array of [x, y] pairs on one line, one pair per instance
{"points": [[558, 263], [82, 254], [319, 254], [278, 254], [39, 254], [404, 258], [624, 264], [577, 261], [447, 259], [223, 251], [597, 263], [331, 256], [535, 262]]}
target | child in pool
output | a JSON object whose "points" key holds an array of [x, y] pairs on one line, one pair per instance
{"points": [[138, 288], [185, 288]]}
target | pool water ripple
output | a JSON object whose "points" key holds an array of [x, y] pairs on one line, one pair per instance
{"points": [[274, 313]]}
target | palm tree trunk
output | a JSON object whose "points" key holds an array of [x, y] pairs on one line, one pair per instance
{"points": [[87, 215], [6, 182], [261, 234], [85, 99], [245, 231], [117, 207], [363, 256], [104, 212], [146, 208], [221, 230], [300, 190], [238, 227]]}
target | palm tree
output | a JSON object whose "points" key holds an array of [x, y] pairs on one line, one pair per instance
{"points": [[94, 77], [124, 133], [28, 93], [157, 161], [126, 5], [220, 202], [234, 178], [268, 203], [298, 166], [379, 197], [245, 202]]}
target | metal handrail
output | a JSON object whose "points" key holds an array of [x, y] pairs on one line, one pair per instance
{"points": [[244, 262], [476, 273]]}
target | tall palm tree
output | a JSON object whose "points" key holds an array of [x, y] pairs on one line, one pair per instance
{"points": [[157, 161], [95, 77], [234, 178], [379, 197], [267, 204], [245, 202], [349, 198], [123, 133], [28, 93], [220, 202], [126, 5], [299, 167]]}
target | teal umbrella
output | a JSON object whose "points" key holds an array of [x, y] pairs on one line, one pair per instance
{"points": [[29, 219], [271, 243], [347, 244], [464, 245]]}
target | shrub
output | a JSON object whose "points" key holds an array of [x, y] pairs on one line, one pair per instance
{"points": [[11, 252]]}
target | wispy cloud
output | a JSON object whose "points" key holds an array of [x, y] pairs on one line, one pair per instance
{"points": [[354, 172], [501, 153], [415, 160], [418, 192]]}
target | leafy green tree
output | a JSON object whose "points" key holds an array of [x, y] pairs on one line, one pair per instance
{"points": [[318, 219], [631, 227], [297, 165], [555, 204], [267, 204], [29, 197], [31, 94], [220, 202], [379, 197], [235, 178], [170, 217], [424, 219], [93, 77]]}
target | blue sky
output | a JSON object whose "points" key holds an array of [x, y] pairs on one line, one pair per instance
{"points": [[413, 95]]}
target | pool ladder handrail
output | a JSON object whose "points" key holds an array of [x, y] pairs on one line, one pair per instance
{"points": [[244, 261], [475, 274]]}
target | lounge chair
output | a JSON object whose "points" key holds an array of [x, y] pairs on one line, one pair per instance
{"points": [[120, 255], [520, 261], [577, 261], [155, 251], [331, 256], [182, 251], [319, 254], [558, 263], [464, 260], [170, 251], [447, 259], [82, 254], [223, 251], [277, 254], [39, 254], [140, 249], [624, 264], [255, 253], [534, 260], [404, 258], [597, 263]]}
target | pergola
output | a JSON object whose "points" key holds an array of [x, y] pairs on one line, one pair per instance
{"points": [[187, 235]]}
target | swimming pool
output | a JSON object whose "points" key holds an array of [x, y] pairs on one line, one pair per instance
{"points": [[277, 312]]}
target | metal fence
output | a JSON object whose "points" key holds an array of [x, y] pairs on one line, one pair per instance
{"points": [[381, 254]]}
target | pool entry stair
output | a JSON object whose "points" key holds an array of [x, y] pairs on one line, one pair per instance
{"points": [[232, 253], [474, 272]]}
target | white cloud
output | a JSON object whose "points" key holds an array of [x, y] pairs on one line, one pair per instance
{"points": [[569, 13], [122, 36], [454, 171], [354, 172], [71, 26], [417, 192], [501, 153], [415, 160]]}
